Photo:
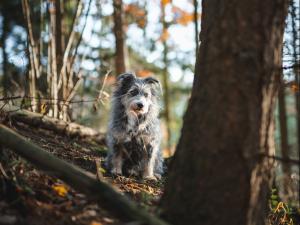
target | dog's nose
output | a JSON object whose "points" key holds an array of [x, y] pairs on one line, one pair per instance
{"points": [[139, 105]]}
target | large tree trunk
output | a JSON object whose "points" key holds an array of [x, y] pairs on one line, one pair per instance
{"points": [[119, 35], [220, 174]]}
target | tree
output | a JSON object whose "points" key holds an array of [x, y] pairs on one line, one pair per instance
{"points": [[53, 85], [284, 145], [165, 74], [220, 173], [195, 2], [119, 36], [9, 12], [297, 75], [5, 79]]}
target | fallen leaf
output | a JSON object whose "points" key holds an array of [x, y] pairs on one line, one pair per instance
{"points": [[95, 223], [60, 189]]}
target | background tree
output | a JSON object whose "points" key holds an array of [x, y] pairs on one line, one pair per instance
{"points": [[196, 18], [119, 36], [9, 11], [284, 145], [296, 54], [165, 74], [221, 157]]}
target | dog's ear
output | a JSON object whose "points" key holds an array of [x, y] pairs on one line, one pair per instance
{"points": [[126, 77], [154, 83], [124, 81], [151, 80]]}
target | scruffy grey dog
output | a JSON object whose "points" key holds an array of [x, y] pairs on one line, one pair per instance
{"points": [[134, 132]]}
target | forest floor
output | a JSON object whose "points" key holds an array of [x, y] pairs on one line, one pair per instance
{"points": [[29, 196]]}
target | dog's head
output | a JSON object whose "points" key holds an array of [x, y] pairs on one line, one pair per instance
{"points": [[139, 96]]}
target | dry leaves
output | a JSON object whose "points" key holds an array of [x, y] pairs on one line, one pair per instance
{"points": [[60, 189]]}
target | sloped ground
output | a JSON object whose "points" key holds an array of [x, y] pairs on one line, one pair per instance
{"points": [[28, 196]]}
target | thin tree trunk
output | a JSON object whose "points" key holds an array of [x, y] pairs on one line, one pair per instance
{"points": [[285, 151], [5, 79], [166, 81], [119, 36], [196, 24], [219, 174], [297, 75], [34, 72], [58, 33], [54, 80]]}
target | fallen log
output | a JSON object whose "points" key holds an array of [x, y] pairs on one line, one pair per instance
{"points": [[59, 126], [77, 178]]}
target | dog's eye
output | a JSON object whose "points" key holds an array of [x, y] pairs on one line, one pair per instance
{"points": [[146, 95], [134, 92]]}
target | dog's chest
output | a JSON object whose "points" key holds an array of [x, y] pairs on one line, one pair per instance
{"points": [[134, 126], [137, 147]]}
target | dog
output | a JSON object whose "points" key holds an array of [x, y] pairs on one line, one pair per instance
{"points": [[133, 136]]}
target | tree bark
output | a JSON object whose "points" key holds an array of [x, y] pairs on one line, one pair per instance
{"points": [[77, 178], [119, 36], [219, 174]]}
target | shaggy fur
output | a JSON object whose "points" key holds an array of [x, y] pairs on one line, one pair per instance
{"points": [[134, 130]]}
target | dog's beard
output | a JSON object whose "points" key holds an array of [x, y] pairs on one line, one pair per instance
{"points": [[136, 115], [135, 121]]}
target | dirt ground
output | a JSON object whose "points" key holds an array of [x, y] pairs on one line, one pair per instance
{"points": [[28, 196]]}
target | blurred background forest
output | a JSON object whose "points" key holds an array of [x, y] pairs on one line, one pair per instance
{"points": [[61, 58]]}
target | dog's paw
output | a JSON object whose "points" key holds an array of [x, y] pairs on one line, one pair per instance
{"points": [[132, 172], [152, 178], [157, 176], [116, 171]]}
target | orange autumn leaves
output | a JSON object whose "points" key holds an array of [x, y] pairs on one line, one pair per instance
{"points": [[137, 13], [165, 2], [180, 17]]}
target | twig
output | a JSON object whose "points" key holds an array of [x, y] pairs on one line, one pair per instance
{"points": [[281, 159], [3, 171], [81, 33], [101, 90], [69, 45]]}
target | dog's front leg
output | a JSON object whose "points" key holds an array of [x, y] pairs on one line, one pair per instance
{"points": [[117, 160], [150, 163]]}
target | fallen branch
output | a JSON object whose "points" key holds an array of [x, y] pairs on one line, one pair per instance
{"points": [[76, 177], [49, 123], [98, 169]]}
